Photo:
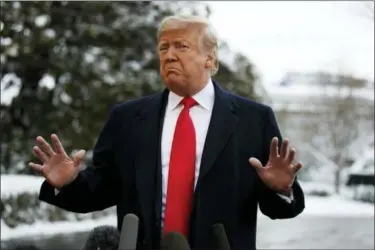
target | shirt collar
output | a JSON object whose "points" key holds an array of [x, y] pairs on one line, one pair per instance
{"points": [[205, 98]]}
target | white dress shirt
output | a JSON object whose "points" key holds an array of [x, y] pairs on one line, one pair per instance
{"points": [[200, 115]]}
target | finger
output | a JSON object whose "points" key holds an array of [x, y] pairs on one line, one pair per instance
{"points": [[292, 155], [274, 148], [57, 146], [79, 157], [284, 150], [296, 167], [44, 146], [40, 154], [256, 164], [36, 167]]}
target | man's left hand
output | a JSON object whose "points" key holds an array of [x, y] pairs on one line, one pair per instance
{"points": [[280, 172]]}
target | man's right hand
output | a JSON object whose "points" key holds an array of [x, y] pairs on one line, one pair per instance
{"points": [[58, 169]]}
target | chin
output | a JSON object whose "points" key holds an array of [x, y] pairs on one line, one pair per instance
{"points": [[173, 81], [178, 88]]}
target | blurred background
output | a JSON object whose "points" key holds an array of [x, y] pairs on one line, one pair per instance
{"points": [[65, 64]]}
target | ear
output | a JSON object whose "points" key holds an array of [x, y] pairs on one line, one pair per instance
{"points": [[209, 61]]}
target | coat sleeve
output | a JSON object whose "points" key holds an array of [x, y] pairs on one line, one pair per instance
{"points": [[96, 187], [270, 202]]}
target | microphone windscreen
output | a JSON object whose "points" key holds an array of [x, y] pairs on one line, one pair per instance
{"points": [[103, 238], [129, 232], [220, 237], [23, 246], [174, 241]]}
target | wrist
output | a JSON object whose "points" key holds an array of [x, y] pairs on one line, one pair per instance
{"points": [[285, 192], [62, 185]]}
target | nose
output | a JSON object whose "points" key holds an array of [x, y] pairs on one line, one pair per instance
{"points": [[170, 55]]}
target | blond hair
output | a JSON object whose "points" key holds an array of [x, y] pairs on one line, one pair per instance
{"points": [[210, 38]]}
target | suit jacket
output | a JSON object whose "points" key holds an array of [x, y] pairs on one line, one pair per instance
{"points": [[126, 172]]}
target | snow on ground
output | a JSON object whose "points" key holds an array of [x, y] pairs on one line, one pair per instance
{"points": [[16, 184], [334, 206], [47, 229]]}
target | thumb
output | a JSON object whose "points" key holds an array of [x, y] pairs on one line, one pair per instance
{"points": [[256, 164], [79, 157]]}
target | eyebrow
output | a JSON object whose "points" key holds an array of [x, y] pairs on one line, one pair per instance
{"points": [[178, 41]]}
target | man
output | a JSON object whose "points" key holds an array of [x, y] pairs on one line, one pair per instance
{"points": [[184, 159]]}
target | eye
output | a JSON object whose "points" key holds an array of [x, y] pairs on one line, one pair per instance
{"points": [[163, 47], [182, 47]]}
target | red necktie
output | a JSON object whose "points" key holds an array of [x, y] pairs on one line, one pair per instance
{"points": [[180, 188]]}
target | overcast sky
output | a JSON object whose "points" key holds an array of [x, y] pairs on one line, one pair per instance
{"points": [[299, 36]]}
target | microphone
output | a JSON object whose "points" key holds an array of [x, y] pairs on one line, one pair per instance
{"points": [[23, 247], [129, 232], [103, 238], [174, 241], [220, 237]]}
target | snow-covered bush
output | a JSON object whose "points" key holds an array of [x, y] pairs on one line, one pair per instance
{"points": [[25, 208], [20, 204]]}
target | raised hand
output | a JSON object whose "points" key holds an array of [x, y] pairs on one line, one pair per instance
{"points": [[279, 172], [58, 169]]}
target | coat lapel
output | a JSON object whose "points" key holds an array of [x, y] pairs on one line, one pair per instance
{"points": [[223, 123], [147, 125]]}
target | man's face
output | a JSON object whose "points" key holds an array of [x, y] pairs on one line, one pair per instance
{"points": [[183, 60]]}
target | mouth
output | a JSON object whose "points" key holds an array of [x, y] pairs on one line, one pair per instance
{"points": [[171, 70]]}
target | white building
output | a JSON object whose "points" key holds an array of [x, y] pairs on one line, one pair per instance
{"points": [[312, 106], [306, 93]]}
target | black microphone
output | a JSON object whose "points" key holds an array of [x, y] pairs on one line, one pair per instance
{"points": [[220, 237], [23, 246], [103, 238], [129, 232], [174, 241]]}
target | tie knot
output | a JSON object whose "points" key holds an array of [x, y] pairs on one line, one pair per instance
{"points": [[188, 102]]}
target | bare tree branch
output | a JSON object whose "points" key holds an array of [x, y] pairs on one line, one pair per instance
{"points": [[343, 118]]}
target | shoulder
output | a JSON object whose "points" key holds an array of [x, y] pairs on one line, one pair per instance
{"points": [[257, 115], [132, 107], [247, 106]]}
